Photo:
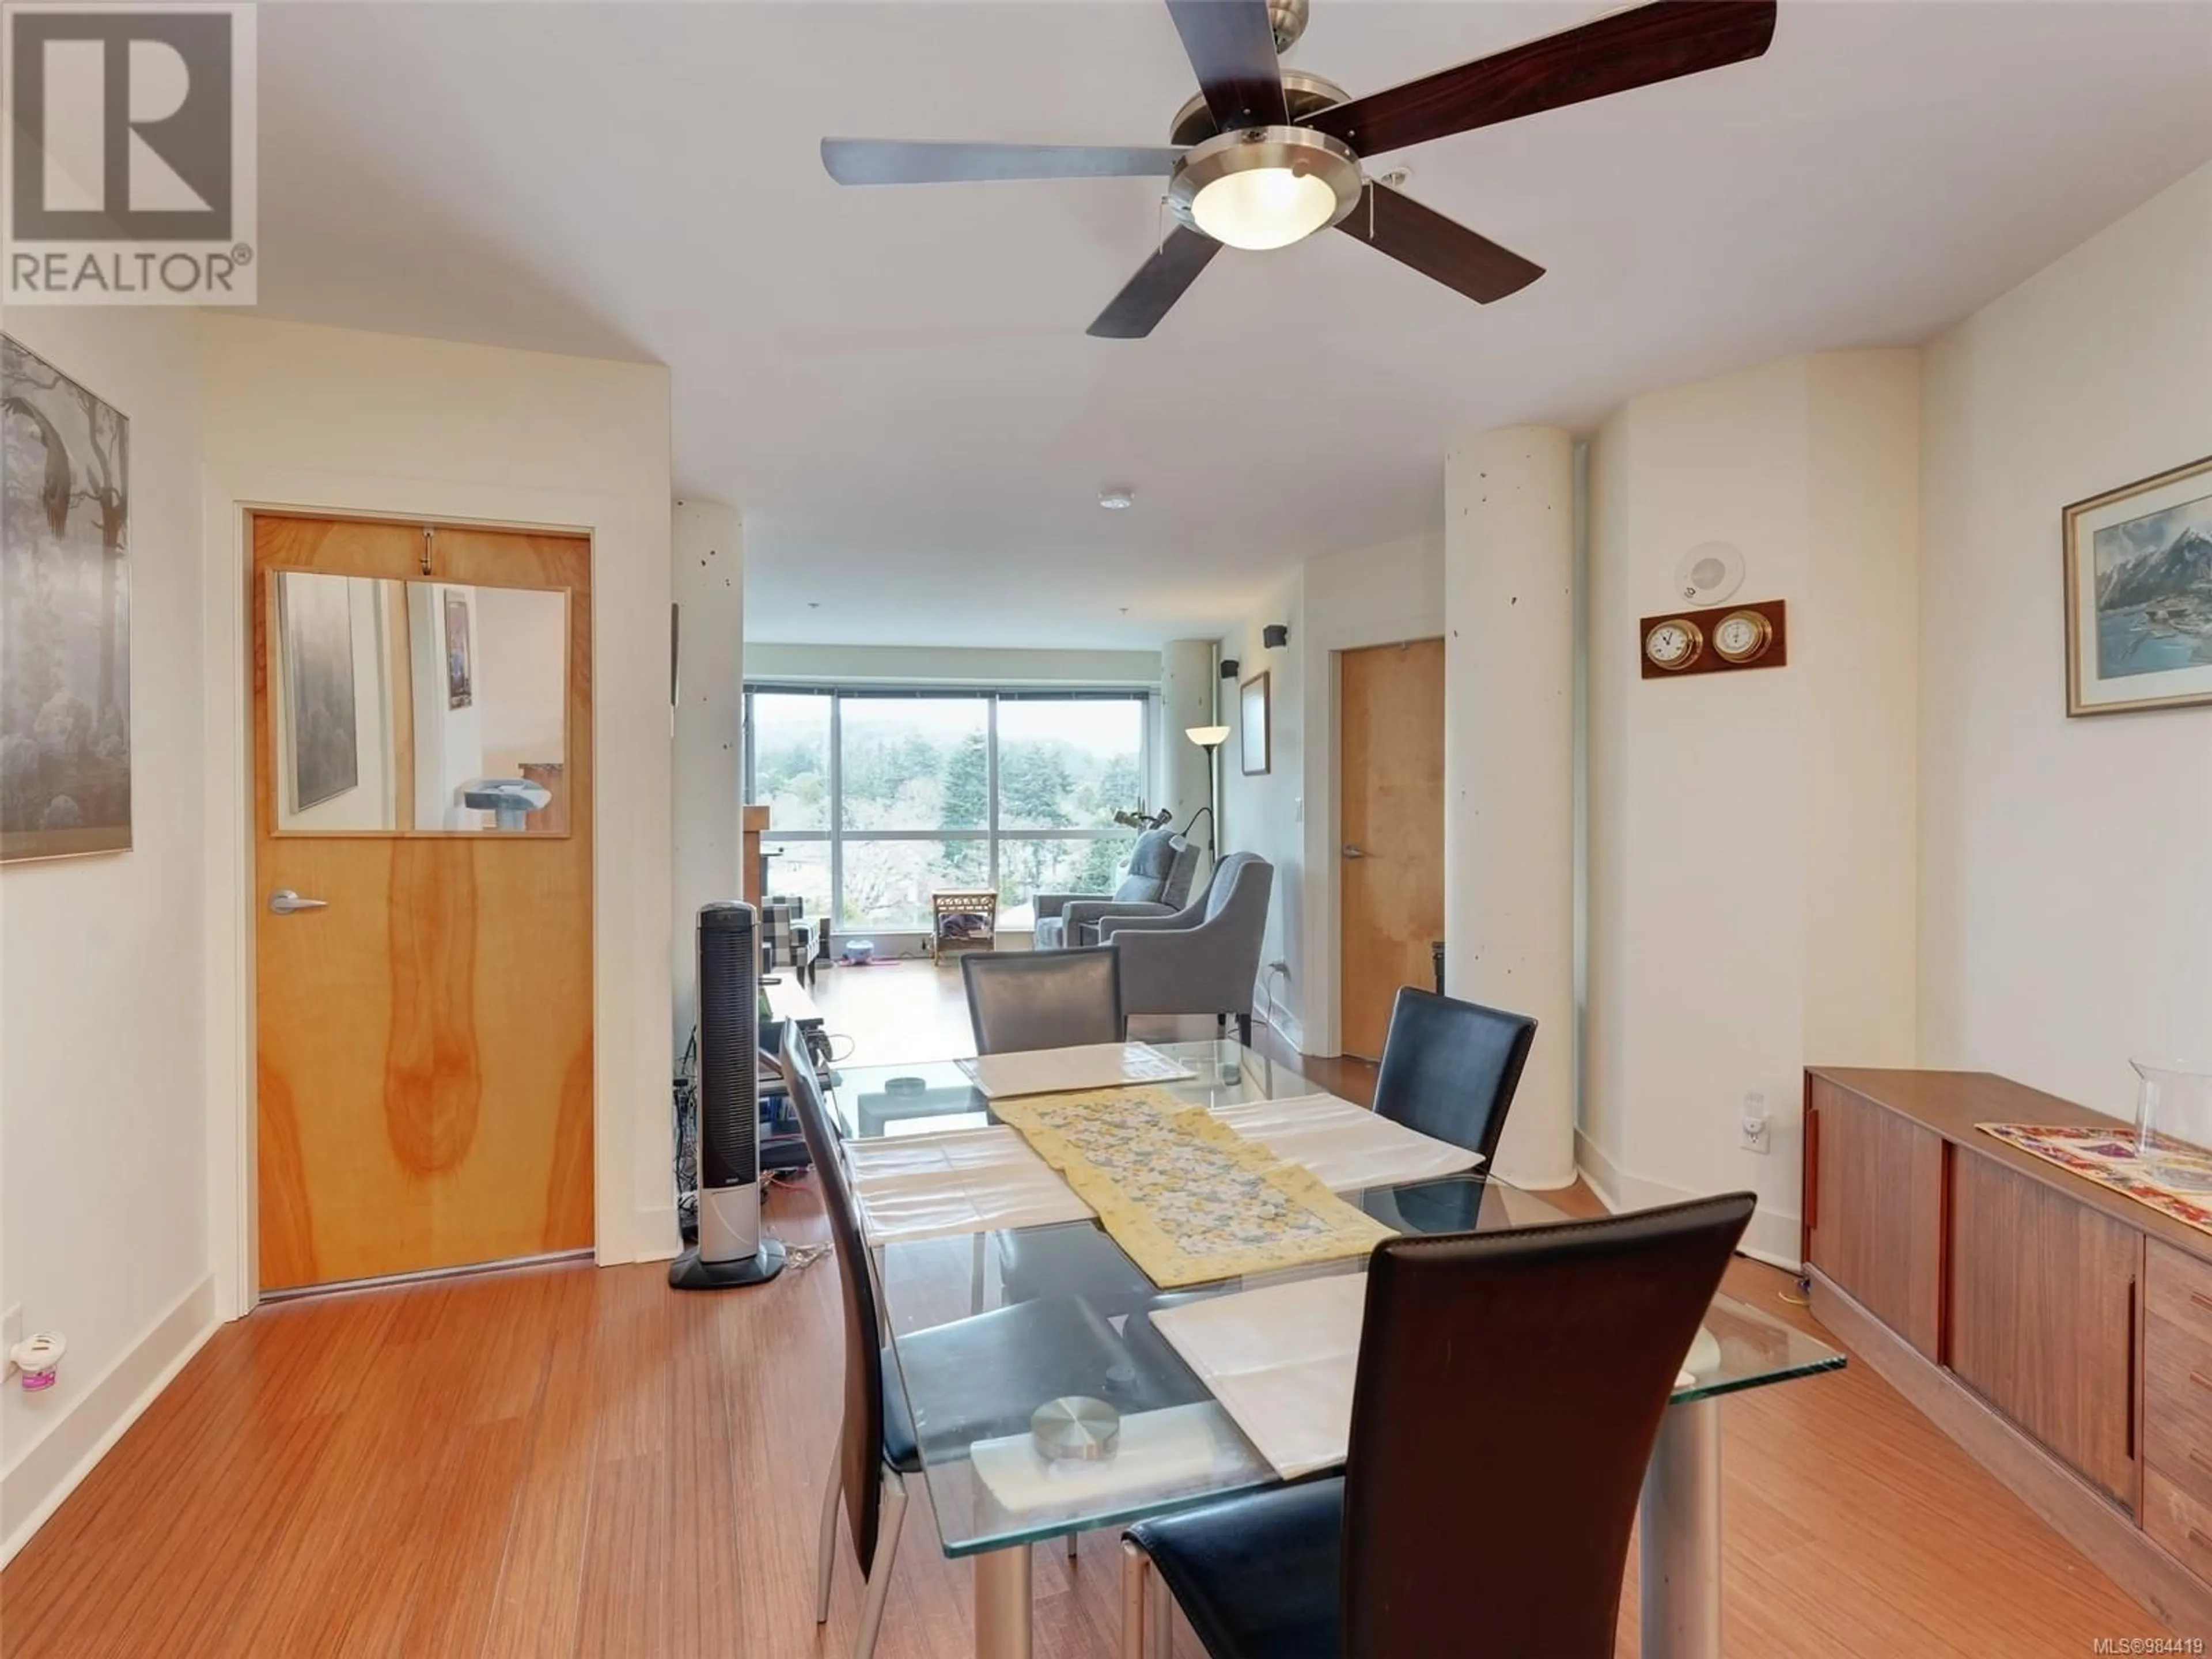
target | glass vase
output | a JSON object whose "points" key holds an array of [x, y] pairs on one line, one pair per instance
{"points": [[2173, 1124]]}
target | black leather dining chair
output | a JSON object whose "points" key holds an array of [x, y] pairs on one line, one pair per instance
{"points": [[1006, 1362], [1449, 1068], [1508, 1397], [1022, 999]]}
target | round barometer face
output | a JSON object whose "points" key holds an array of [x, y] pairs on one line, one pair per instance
{"points": [[1742, 635]]}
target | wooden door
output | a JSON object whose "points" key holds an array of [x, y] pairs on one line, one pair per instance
{"points": [[1390, 706], [425, 1040], [2043, 1315]]}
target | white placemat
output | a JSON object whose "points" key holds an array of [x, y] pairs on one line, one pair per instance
{"points": [[1064, 1071], [1281, 1361], [1346, 1145], [1159, 1452], [969, 1181]]}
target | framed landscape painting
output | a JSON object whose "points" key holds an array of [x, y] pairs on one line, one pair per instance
{"points": [[65, 615], [2139, 594]]}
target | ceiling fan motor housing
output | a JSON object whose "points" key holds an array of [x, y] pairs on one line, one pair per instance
{"points": [[1288, 20], [1305, 93]]}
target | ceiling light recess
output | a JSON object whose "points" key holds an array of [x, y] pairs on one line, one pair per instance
{"points": [[1117, 500], [1265, 187]]}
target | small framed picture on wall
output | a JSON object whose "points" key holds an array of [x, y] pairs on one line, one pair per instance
{"points": [[2139, 594], [1255, 741], [460, 672]]}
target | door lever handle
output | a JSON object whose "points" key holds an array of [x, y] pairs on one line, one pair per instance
{"points": [[284, 902], [1353, 850]]}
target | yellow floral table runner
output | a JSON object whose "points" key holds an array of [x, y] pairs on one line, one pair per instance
{"points": [[1184, 1194]]}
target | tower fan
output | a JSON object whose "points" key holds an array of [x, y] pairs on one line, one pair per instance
{"points": [[730, 1250]]}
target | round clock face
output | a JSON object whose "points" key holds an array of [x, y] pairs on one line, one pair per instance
{"points": [[1676, 643], [1742, 635]]}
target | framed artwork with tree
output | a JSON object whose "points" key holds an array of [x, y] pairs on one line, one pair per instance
{"points": [[65, 615]]}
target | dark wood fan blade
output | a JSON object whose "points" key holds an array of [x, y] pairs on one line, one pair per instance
{"points": [[1232, 46], [1617, 54], [1436, 247], [895, 161], [1158, 284]]}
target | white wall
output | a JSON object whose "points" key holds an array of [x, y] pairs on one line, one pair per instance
{"points": [[2066, 891], [103, 1220], [1510, 610], [1751, 869], [1368, 596], [342, 421], [521, 670], [1182, 773], [708, 573]]}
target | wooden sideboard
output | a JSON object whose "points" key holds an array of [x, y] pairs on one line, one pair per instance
{"points": [[2060, 1332]]}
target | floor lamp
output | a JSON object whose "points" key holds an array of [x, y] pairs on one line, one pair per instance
{"points": [[1210, 738]]}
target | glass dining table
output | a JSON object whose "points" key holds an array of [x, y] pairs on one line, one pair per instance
{"points": [[994, 1495]]}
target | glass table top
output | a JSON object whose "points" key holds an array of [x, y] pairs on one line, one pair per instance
{"points": [[986, 1327], [931, 1096]]}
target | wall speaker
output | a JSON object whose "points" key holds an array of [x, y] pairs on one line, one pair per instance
{"points": [[1709, 573], [730, 1250]]}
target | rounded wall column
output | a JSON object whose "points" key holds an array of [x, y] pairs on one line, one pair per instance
{"points": [[1183, 784], [1509, 766], [708, 560]]}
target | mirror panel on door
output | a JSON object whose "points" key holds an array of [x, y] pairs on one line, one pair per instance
{"points": [[415, 707]]}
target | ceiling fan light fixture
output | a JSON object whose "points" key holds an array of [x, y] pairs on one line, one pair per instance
{"points": [[1264, 208], [1265, 187]]}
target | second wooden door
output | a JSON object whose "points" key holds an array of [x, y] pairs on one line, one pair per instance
{"points": [[422, 898], [1391, 723]]}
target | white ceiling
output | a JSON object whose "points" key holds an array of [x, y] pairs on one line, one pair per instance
{"points": [[896, 386]]}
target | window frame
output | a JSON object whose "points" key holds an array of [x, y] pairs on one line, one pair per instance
{"points": [[835, 836]]}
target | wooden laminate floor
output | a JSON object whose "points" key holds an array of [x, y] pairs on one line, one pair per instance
{"points": [[568, 1462]]}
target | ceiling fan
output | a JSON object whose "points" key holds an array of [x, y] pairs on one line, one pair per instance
{"points": [[1265, 155]]}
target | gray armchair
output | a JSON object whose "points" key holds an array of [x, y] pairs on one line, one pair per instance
{"points": [[1201, 960], [1161, 865]]}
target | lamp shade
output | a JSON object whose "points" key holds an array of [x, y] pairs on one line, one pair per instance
{"points": [[1208, 737]]}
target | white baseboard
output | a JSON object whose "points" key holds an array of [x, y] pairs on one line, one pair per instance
{"points": [[1278, 1019], [1599, 1172], [83, 1430], [655, 1236], [1774, 1237]]}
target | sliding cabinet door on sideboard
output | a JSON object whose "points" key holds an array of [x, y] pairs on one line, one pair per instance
{"points": [[1876, 1225], [2043, 1317]]}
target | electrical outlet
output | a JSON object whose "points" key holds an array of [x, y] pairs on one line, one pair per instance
{"points": [[1756, 1128], [11, 1332]]}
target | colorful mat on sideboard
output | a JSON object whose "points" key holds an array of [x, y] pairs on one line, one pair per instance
{"points": [[2107, 1156]]}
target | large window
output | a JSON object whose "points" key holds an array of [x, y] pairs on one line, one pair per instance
{"points": [[878, 797]]}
